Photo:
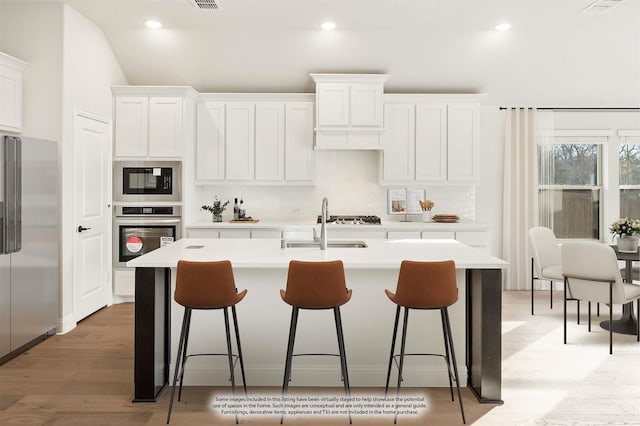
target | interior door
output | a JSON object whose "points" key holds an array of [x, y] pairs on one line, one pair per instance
{"points": [[91, 262]]}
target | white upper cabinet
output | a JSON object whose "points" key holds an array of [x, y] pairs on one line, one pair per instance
{"points": [[240, 139], [152, 122], [131, 124], [349, 110], [255, 139], [431, 141], [165, 126], [11, 71], [299, 160], [463, 137], [269, 141], [334, 97], [210, 131], [430, 138]]}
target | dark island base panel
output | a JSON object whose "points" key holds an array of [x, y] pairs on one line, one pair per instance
{"points": [[152, 328], [483, 335]]}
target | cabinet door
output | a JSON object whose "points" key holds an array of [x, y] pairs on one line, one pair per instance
{"points": [[269, 142], [299, 155], [267, 233], [165, 126], [203, 233], [10, 99], [403, 235], [240, 139], [463, 129], [210, 152], [333, 104], [131, 126], [235, 233], [431, 142], [398, 157], [365, 104]]}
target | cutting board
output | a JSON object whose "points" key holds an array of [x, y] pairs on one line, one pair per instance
{"points": [[246, 220]]}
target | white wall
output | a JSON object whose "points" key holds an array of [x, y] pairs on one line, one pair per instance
{"points": [[32, 32], [89, 71]]}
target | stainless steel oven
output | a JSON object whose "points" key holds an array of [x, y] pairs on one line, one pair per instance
{"points": [[140, 229], [147, 181]]}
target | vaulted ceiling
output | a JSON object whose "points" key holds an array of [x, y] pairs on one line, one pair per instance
{"points": [[554, 53]]}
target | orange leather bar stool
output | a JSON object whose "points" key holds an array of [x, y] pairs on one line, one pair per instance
{"points": [[206, 285], [425, 285], [315, 285]]}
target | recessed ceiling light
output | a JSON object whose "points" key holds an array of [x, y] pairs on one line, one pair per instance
{"points": [[503, 27], [328, 25], [153, 24]]}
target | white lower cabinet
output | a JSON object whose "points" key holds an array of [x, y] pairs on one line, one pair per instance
{"points": [[124, 282], [298, 234], [235, 233], [438, 235], [357, 234], [403, 235], [202, 233], [477, 238], [266, 233]]}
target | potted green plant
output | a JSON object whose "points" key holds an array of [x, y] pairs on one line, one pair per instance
{"points": [[216, 209], [628, 233]]}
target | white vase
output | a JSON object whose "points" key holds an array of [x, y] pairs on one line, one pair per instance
{"points": [[628, 244]]}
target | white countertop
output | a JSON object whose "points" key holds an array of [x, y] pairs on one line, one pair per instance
{"points": [[266, 253], [292, 224]]}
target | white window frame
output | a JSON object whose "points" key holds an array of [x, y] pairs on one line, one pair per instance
{"points": [[583, 137], [631, 137]]}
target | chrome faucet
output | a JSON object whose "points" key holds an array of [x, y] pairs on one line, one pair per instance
{"points": [[323, 221]]}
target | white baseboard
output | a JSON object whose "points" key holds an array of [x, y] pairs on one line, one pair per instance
{"points": [[66, 324]]}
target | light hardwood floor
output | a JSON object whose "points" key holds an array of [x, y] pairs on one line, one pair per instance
{"points": [[84, 378]]}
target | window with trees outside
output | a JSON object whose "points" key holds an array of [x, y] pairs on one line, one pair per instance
{"points": [[570, 188], [629, 157]]}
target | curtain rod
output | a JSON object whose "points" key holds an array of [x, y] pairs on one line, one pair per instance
{"points": [[577, 108]]}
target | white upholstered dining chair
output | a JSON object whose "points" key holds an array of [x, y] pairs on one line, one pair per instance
{"points": [[545, 262], [591, 273]]}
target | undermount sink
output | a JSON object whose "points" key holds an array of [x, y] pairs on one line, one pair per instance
{"points": [[330, 244]]}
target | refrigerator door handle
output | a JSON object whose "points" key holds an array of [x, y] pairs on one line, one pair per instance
{"points": [[13, 189], [2, 228]]}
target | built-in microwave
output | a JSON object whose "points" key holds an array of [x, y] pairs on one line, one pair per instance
{"points": [[147, 181]]}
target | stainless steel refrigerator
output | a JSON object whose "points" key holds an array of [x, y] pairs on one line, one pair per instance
{"points": [[28, 243]]}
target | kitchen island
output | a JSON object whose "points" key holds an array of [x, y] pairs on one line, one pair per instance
{"points": [[260, 265]]}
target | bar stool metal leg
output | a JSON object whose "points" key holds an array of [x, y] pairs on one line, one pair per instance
{"points": [[235, 326], [230, 354], [402, 347], [453, 359], [343, 358], [447, 357], [178, 362], [184, 352], [393, 348], [288, 359]]}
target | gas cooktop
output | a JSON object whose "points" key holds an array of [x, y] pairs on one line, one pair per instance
{"points": [[352, 220]]}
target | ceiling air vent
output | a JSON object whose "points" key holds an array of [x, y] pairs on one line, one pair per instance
{"points": [[207, 4], [602, 6]]}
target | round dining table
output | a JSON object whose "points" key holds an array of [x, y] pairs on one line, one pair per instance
{"points": [[627, 323]]}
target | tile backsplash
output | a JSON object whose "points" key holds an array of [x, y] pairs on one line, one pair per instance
{"points": [[349, 179]]}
